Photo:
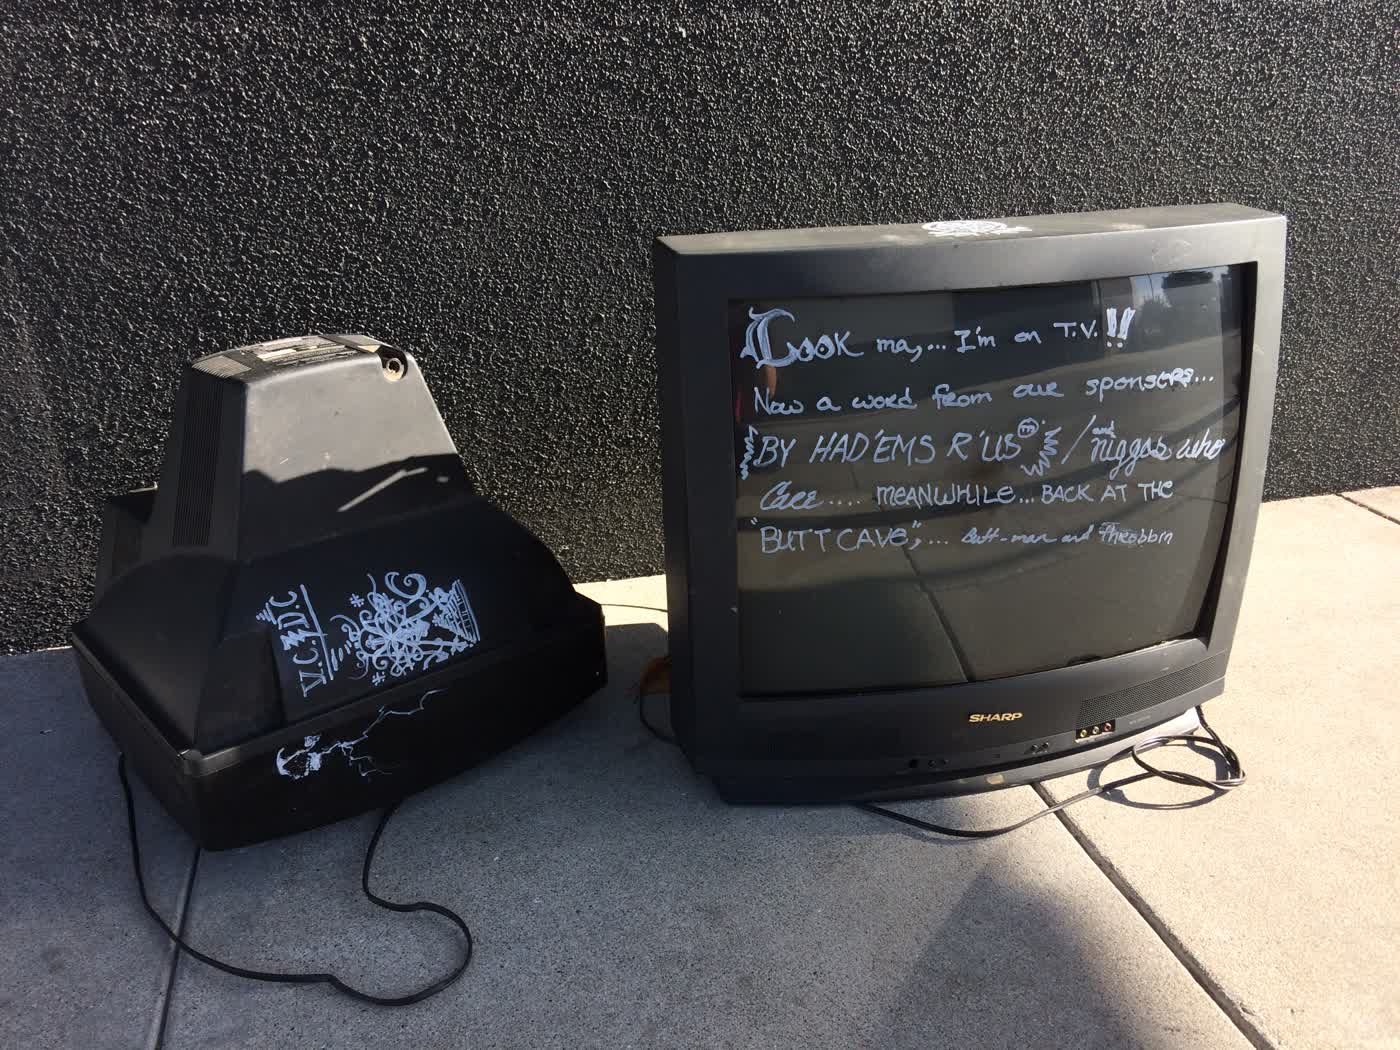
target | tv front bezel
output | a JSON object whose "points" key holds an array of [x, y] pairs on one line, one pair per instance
{"points": [[828, 747]]}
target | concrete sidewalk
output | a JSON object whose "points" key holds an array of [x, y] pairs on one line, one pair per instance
{"points": [[617, 902]]}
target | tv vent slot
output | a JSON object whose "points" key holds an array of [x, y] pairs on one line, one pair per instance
{"points": [[1113, 706], [199, 456]]}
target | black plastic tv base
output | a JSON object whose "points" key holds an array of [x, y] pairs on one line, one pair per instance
{"points": [[303, 775], [796, 790]]}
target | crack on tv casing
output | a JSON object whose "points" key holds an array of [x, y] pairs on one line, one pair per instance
{"points": [[314, 613]]}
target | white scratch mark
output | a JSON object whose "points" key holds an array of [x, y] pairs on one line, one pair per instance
{"points": [[374, 490]]}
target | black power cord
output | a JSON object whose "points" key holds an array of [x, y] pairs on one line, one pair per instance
{"points": [[305, 978], [1233, 778]]}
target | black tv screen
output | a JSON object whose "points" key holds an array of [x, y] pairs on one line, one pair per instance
{"points": [[968, 485], [956, 505]]}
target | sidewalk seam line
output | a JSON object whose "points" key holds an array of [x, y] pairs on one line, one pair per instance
{"points": [[187, 898], [1367, 506], [1232, 1010]]}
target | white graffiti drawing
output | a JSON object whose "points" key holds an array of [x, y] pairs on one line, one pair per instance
{"points": [[299, 630], [398, 626], [971, 228], [748, 453], [407, 626], [301, 762]]}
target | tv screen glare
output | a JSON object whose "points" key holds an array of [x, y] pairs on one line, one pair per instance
{"points": [[957, 505]]}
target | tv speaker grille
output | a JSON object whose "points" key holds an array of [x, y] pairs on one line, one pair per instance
{"points": [[199, 454], [1111, 706]]}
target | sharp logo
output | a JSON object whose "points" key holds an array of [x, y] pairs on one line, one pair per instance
{"points": [[995, 716]]}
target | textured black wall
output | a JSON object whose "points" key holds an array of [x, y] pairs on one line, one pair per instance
{"points": [[481, 186]]}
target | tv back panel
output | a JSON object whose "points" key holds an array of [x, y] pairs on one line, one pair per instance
{"points": [[315, 613], [955, 505]]}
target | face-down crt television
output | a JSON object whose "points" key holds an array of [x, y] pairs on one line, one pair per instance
{"points": [[955, 506]]}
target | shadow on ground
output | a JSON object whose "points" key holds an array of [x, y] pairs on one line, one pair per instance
{"points": [[617, 901]]}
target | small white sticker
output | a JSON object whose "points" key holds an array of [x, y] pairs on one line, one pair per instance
{"points": [[971, 228]]}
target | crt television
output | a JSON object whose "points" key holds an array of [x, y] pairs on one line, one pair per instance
{"points": [[955, 506]]}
